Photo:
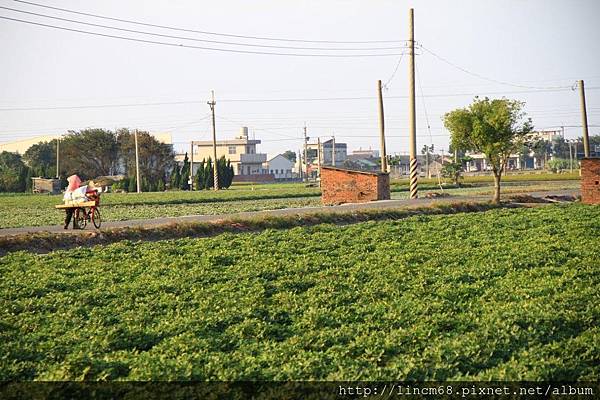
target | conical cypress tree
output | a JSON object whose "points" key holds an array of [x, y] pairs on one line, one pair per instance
{"points": [[185, 173], [175, 180], [208, 174]]}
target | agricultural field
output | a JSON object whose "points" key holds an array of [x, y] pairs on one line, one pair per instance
{"points": [[35, 210], [507, 294], [17, 210]]}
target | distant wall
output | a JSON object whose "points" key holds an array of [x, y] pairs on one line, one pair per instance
{"points": [[345, 186], [590, 180], [254, 178]]}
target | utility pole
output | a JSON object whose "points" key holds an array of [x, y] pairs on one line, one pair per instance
{"points": [[214, 135], [333, 151], [300, 165], [57, 157], [305, 154], [192, 165], [412, 143], [319, 157], [586, 139], [137, 163], [570, 157], [427, 172], [381, 129]]}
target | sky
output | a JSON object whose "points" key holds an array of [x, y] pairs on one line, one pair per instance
{"points": [[58, 80]]}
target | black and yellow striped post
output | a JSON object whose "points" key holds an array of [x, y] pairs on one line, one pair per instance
{"points": [[412, 144]]}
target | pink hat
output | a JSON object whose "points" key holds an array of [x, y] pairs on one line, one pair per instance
{"points": [[74, 183]]}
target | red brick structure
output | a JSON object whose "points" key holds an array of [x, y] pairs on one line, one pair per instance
{"points": [[590, 180], [257, 178], [345, 186]]}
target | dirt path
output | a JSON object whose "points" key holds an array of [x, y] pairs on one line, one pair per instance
{"points": [[344, 208]]}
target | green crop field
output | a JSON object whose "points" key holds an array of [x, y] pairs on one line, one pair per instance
{"points": [[17, 210], [34, 210], [507, 294]]}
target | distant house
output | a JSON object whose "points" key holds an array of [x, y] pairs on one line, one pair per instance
{"points": [[241, 151], [341, 152], [280, 167], [362, 164], [364, 154]]}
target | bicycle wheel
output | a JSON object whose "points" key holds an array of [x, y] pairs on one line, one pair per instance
{"points": [[79, 219], [96, 220]]}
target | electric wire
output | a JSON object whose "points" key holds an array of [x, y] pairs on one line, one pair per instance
{"points": [[196, 47], [204, 32], [386, 85], [490, 79], [250, 100], [196, 39]]}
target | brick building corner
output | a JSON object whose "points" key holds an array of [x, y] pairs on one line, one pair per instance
{"points": [[590, 181], [346, 186]]}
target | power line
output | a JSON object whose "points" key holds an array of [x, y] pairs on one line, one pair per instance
{"points": [[387, 83], [196, 39], [490, 79], [424, 106], [204, 32], [309, 99], [196, 47], [266, 130]]}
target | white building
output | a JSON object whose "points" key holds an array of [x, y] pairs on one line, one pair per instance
{"points": [[280, 167], [241, 151]]}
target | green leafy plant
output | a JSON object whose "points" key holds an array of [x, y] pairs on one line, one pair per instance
{"points": [[385, 300]]}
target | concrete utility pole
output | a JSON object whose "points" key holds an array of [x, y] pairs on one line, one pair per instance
{"points": [[584, 123], [300, 165], [57, 157], [412, 143], [381, 129], [319, 156], [192, 165], [427, 173], [570, 157], [333, 151], [214, 135], [305, 154], [137, 163]]}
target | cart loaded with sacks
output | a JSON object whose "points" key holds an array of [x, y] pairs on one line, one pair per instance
{"points": [[84, 212]]}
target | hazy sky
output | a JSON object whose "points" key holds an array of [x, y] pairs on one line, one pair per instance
{"points": [[539, 44]]}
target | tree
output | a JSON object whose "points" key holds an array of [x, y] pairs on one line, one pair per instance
{"points": [[495, 128], [13, 173], [541, 149], [558, 164], [89, 153], [200, 180], [290, 155], [155, 158], [175, 177], [41, 158], [453, 170], [560, 148], [209, 177], [132, 184], [185, 173]]}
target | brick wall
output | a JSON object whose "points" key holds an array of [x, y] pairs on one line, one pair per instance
{"points": [[254, 178], [590, 180], [344, 186]]}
